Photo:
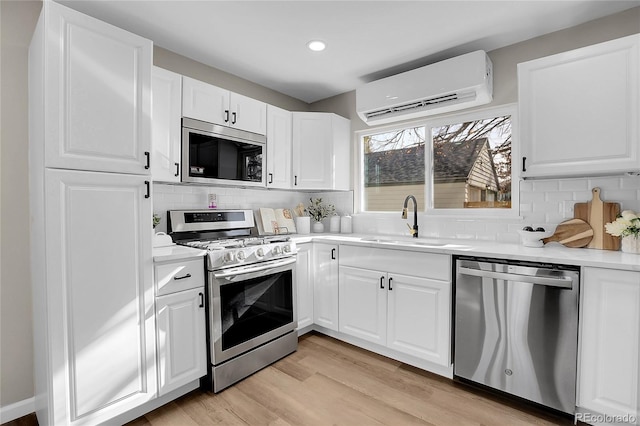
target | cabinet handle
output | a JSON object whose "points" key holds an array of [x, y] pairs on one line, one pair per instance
{"points": [[146, 153], [270, 177], [295, 180], [333, 254], [390, 288], [148, 185], [233, 119], [201, 300], [382, 282], [226, 115], [524, 167], [177, 169], [182, 277]]}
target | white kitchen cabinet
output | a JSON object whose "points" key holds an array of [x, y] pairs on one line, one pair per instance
{"points": [[96, 93], [304, 285], [580, 111], [321, 151], [166, 125], [406, 307], [206, 102], [181, 323], [91, 265], [278, 148], [325, 285], [98, 294], [609, 375]]}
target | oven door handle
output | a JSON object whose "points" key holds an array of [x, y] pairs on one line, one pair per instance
{"points": [[264, 267]]}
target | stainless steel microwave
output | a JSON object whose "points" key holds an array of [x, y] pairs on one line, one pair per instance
{"points": [[217, 154]]}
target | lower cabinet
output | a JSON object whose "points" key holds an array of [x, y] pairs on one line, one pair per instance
{"points": [[406, 313], [304, 285], [180, 324], [609, 374], [325, 285]]}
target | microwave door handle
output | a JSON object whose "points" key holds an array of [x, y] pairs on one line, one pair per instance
{"points": [[262, 268]]}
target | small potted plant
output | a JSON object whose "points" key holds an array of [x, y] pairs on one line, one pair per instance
{"points": [[319, 211], [627, 226]]}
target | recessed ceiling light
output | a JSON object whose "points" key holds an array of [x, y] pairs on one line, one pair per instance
{"points": [[316, 45]]}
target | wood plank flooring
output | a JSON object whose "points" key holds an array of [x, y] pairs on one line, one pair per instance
{"points": [[328, 382]]}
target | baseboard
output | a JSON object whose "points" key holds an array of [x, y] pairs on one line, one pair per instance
{"points": [[17, 410]]}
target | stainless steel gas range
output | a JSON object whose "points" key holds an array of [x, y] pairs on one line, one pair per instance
{"points": [[251, 293]]}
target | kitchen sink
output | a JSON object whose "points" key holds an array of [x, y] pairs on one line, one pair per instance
{"points": [[412, 241], [380, 240]]}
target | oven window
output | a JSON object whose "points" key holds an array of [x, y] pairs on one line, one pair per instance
{"points": [[219, 158], [254, 307]]}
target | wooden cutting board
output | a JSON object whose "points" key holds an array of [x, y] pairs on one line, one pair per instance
{"points": [[571, 233], [596, 213]]}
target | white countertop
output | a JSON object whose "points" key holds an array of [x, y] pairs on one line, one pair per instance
{"points": [[176, 252], [550, 253]]}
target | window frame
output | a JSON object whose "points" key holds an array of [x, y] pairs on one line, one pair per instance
{"points": [[429, 123]]}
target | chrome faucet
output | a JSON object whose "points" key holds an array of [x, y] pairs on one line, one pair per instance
{"points": [[414, 230]]}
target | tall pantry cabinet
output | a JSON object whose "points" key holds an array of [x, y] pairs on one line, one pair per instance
{"points": [[91, 214]]}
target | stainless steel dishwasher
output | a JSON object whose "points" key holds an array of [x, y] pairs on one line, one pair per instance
{"points": [[516, 329]]}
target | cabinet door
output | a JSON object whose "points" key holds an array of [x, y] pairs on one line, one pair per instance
{"points": [[100, 303], [580, 110], [363, 304], [304, 285], [419, 312], [97, 94], [182, 348], [325, 286], [166, 125], [278, 148], [312, 151], [247, 114], [610, 342], [205, 102]]}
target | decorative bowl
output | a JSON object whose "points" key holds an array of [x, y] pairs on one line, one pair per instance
{"points": [[533, 238]]}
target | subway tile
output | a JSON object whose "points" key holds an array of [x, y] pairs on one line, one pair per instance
{"points": [[630, 182], [559, 196], [545, 185], [605, 183], [581, 184]]}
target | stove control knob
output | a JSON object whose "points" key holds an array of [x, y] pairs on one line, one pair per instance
{"points": [[260, 253], [287, 248], [241, 255], [277, 250], [229, 257]]}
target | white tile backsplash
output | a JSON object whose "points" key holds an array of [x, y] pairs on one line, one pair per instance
{"points": [[544, 202], [182, 197]]}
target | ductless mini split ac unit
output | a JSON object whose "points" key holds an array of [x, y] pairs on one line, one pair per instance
{"points": [[453, 84]]}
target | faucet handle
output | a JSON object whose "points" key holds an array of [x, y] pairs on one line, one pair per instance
{"points": [[411, 230]]}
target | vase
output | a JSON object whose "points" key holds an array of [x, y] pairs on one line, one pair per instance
{"points": [[318, 227], [631, 244], [303, 224]]}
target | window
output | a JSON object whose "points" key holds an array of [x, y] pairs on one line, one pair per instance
{"points": [[461, 163]]}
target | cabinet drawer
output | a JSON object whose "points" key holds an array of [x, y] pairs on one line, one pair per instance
{"points": [[418, 264], [178, 276]]}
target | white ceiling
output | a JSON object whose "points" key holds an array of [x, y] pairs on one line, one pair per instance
{"points": [[265, 41]]}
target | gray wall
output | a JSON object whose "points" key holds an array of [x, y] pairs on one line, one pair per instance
{"points": [[18, 21]]}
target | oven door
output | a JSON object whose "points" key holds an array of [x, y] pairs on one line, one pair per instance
{"points": [[221, 155], [251, 305]]}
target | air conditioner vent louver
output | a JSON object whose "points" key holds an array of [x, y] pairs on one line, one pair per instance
{"points": [[424, 104], [450, 85]]}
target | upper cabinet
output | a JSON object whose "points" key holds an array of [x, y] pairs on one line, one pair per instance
{"points": [[278, 148], [321, 151], [166, 125], [96, 95], [205, 102], [579, 111]]}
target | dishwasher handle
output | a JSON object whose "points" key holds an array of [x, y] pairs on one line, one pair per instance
{"points": [[561, 282]]}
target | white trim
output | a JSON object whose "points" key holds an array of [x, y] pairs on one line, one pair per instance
{"points": [[17, 409]]}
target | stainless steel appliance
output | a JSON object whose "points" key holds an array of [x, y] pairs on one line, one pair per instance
{"points": [[516, 329], [216, 154], [251, 293]]}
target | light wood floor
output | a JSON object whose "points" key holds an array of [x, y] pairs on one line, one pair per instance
{"points": [[327, 382]]}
